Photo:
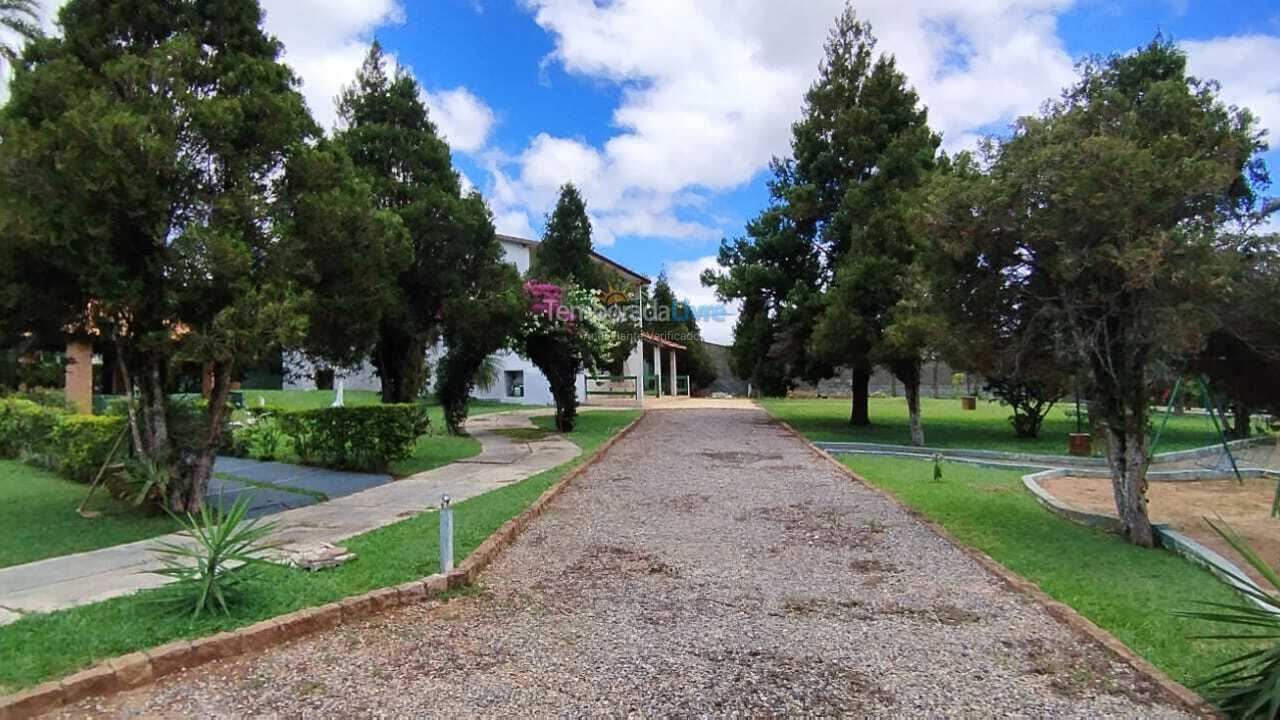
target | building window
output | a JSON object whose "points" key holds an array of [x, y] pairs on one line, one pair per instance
{"points": [[514, 383]]}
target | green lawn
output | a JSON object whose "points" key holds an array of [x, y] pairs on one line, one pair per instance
{"points": [[948, 426], [1127, 590], [46, 646], [39, 519], [38, 508]]}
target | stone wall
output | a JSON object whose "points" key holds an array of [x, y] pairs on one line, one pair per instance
{"points": [[726, 381], [935, 382]]}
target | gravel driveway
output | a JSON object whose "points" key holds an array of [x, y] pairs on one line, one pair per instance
{"points": [[711, 565]]}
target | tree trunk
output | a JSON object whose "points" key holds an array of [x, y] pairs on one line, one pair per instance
{"points": [[912, 389], [908, 370], [189, 498], [1240, 414], [859, 411], [159, 421], [1127, 453], [401, 365]]}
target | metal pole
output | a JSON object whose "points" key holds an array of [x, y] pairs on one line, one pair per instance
{"points": [[1208, 404], [1173, 398], [446, 535]]}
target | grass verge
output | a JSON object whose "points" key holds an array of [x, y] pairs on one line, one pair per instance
{"points": [[38, 515], [946, 425], [1126, 590], [314, 494], [51, 645]]}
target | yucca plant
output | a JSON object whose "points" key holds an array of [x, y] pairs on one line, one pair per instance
{"points": [[210, 572], [1247, 686]]}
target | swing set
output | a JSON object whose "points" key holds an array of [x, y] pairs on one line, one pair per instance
{"points": [[1218, 424]]}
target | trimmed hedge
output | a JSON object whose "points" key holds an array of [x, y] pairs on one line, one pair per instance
{"points": [[26, 427], [80, 444], [74, 446], [365, 437]]}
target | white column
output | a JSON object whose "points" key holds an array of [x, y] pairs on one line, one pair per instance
{"points": [[657, 368], [635, 366], [675, 386]]}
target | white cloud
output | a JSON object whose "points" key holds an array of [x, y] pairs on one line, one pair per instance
{"points": [[710, 89], [684, 276], [462, 118], [325, 41], [1245, 66]]}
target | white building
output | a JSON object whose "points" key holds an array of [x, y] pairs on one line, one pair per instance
{"points": [[651, 368]]}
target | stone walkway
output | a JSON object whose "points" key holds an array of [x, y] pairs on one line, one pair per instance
{"points": [[710, 565], [83, 578]]}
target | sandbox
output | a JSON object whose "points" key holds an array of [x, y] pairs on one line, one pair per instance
{"points": [[1183, 505]]}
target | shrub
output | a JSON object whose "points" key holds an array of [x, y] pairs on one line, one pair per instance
{"points": [[209, 572], [260, 438], [79, 444], [26, 428], [48, 397], [366, 437]]}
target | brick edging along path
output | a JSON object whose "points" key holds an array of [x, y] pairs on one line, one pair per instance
{"points": [[139, 668], [1064, 613]]}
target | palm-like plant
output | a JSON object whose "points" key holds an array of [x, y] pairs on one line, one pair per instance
{"points": [[1247, 686], [22, 18], [211, 570]]}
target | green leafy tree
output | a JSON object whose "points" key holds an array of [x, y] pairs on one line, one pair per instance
{"points": [[994, 323], [864, 147], [674, 319], [142, 154], [1114, 200], [347, 252], [821, 267], [773, 271], [392, 142], [566, 252], [1241, 357], [477, 324]]}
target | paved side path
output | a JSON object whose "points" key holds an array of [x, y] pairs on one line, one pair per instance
{"points": [[710, 565], [88, 577]]}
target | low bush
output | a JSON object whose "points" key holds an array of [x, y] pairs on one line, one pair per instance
{"points": [[80, 444], [48, 397], [364, 437], [26, 428]]}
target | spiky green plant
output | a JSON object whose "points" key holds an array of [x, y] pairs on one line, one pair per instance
{"points": [[22, 18], [1247, 686], [211, 571]]}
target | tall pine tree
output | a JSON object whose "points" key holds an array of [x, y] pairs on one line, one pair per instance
{"points": [[821, 267], [565, 253], [388, 135]]}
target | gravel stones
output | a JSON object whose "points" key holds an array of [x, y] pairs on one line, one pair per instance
{"points": [[710, 565]]}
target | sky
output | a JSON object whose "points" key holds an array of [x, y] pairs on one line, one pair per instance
{"points": [[666, 114]]}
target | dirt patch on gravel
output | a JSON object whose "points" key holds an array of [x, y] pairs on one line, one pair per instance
{"points": [[1076, 673], [943, 614], [782, 685], [872, 566], [1184, 506], [688, 504], [806, 524], [738, 458], [603, 561]]}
